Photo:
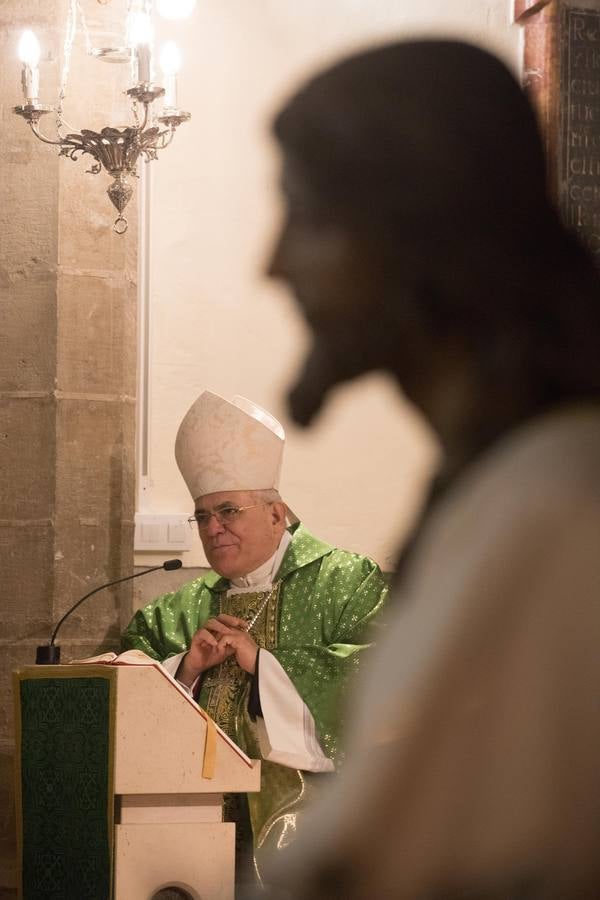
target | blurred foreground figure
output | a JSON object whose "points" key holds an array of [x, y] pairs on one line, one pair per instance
{"points": [[420, 240]]}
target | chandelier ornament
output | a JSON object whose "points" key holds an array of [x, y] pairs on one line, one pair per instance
{"points": [[116, 150]]}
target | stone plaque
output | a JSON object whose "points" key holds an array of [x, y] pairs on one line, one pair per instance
{"points": [[579, 143]]}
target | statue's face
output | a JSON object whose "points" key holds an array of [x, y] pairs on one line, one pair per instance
{"points": [[362, 288], [335, 282], [313, 252]]}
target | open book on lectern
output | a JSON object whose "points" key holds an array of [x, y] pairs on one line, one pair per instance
{"points": [[139, 658]]}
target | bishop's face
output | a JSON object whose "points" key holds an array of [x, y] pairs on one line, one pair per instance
{"points": [[237, 547]]}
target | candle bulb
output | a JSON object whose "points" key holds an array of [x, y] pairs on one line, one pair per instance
{"points": [[170, 62], [143, 63], [141, 38], [29, 54]]}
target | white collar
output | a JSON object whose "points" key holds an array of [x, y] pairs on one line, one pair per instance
{"points": [[261, 579]]}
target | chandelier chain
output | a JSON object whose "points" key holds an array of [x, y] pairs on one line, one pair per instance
{"points": [[70, 32]]}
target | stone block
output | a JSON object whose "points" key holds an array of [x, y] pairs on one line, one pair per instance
{"points": [[94, 507], [96, 335], [29, 186], [27, 457], [28, 334], [27, 562], [28, 168], [85, 208]]}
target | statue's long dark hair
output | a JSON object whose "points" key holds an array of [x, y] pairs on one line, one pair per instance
{"points": [[431, 150]]}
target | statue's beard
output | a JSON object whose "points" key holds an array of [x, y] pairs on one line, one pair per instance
{"points": [[315, 379], [330, 361], [383, 335]]}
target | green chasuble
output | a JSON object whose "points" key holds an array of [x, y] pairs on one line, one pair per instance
{"points": [[314, 622]]}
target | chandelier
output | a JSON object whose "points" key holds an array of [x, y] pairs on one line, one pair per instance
{"points": [[116, 150]]}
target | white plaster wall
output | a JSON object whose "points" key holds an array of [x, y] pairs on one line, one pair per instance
{"points": [[356, 478]]}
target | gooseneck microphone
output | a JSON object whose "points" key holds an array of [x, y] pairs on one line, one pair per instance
{"points": [[49, 654]]}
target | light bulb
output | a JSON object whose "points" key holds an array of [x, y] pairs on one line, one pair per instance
{"points": [[29, 49], [175, 9], [170, 59]]}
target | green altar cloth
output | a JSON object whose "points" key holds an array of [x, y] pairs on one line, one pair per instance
{"points": [[64, 783]]}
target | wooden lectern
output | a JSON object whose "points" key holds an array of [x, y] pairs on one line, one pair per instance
{"points": [[120, 782]]}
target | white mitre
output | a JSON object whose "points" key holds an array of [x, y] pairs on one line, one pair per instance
{"points": [[229, 446]]}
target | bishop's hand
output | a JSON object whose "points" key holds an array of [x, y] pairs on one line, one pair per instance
{"points": [[233, 637], [204, 652], [218, 639], [243, 645]]}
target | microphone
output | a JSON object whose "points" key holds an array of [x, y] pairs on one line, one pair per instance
{"points": [[49, 654]]}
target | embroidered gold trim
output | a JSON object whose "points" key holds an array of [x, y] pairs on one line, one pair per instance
{"points": [[223, 687]]}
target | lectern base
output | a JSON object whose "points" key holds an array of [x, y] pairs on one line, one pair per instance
{"points": [[198, 858]]}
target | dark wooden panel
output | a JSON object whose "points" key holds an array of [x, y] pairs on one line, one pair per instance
{"points": [[579, 129]]}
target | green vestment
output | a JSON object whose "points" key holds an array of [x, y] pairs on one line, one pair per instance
{"points": [[315, 622]]}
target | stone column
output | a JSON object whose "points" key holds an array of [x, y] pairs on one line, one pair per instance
{"points": [[562, 75], [67, 371]]}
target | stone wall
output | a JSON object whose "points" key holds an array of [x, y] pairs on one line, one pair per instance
{"points": [[67, 373]]}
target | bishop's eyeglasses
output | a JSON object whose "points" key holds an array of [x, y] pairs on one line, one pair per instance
{"points": [[225, 515]]}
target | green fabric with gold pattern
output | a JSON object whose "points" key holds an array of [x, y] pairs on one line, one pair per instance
{"points": [[64, 794], [315, 622]]}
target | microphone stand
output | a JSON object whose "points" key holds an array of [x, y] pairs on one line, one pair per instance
{"points": [[49, 654]]}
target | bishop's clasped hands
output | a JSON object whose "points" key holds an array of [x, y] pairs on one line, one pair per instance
{"points": [[220, 638]]}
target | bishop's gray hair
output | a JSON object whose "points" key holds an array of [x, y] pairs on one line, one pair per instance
{"points": [[269, 495]]}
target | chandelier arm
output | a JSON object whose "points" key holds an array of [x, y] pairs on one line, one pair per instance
{"points": [[70, 129], [165, 137], [145, 122], [62, 142]]}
